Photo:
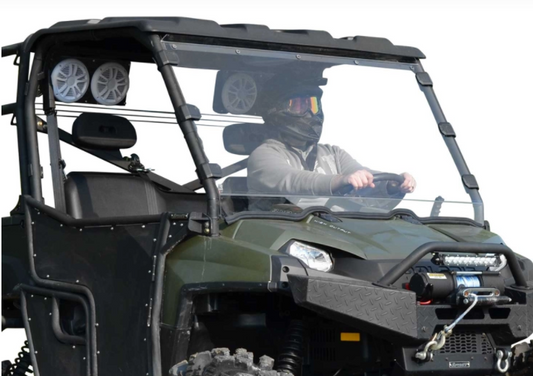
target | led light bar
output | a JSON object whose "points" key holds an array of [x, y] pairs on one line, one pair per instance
{"points": [[488, 260]]}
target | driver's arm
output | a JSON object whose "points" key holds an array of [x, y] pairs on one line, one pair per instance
{"points": [[357, 180], [358, 176], [352, 173]]}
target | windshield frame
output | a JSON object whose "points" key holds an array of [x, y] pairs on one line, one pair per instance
{"points": [[423, 80]]}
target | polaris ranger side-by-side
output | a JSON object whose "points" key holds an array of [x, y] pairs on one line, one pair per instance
{"points": [[294, 203]]}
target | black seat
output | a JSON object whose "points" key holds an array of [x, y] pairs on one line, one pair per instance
{"points": [[97, 194], [94, 195], [235, 185], [243, 139]]}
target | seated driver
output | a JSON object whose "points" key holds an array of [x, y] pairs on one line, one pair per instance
{"points": [[295, 163]]}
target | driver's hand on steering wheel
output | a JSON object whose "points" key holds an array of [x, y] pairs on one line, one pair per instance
{"points": [[409, 183], [360, 179]]}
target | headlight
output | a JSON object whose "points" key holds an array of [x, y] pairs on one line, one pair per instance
{"points": [[311, 256]]}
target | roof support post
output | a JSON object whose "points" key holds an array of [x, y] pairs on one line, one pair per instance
{"points": [[19, 111], [56, 162], [27, 92], [185, 116]]}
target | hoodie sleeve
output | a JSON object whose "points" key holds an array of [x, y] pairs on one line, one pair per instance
{"points": [[270, 171], [346, 164]]}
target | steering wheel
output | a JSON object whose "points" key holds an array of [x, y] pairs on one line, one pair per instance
{"points": [[390, 191], [394, 181]]}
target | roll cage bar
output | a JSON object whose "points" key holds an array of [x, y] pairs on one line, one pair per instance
{"points": [[153, 49]]}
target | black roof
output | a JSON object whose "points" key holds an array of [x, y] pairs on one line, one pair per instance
{"points": [[243, 35]]}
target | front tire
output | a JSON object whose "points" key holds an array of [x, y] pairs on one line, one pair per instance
{"points": [[522, 360], [220, 362]]}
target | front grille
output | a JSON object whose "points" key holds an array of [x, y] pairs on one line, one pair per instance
{"points": [[467, 343]]}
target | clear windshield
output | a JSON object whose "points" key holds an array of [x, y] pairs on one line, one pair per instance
{"points": [[293, 131]]}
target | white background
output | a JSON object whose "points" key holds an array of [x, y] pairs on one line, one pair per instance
{"points": [[479, 57]]}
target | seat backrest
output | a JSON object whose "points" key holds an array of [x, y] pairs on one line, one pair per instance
{"points": [[95, 195], [244, 138], [98, 195], [235, 184]]}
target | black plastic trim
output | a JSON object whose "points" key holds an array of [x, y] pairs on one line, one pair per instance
{"points": [[163, 58], [446, 129], [470, 181], [12, 49], [424, 79], [209, 171], [352, 215], [188, 112], [8, 109], [243, 33]]}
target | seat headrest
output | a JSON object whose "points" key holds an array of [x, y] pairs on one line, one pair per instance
{"points": [[103, 131], [244, 138]]}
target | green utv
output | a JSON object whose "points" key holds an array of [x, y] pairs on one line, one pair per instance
{"points": [[261, 230]]}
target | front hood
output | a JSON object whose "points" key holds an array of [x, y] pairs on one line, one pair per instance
{"points": [[368, 239]]}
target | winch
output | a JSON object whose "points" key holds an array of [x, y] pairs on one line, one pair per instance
{"points": [[455, 287]]}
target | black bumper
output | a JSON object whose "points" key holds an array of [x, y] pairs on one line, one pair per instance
{"points": [[394, 314]]}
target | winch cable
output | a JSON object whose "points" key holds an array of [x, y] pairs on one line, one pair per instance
{"points": [[438, 340]]}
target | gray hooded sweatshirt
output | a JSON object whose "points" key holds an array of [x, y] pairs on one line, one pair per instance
{"points": [[275, 167]]}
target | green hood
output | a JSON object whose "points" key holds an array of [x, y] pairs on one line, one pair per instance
{"points": [[368, 239]]}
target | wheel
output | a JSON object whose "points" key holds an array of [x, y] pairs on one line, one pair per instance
{"points": [[6, 367], [393, 182], [220, 362], [522, 360], [368, 199]]}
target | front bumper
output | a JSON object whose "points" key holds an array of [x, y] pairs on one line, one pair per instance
{"points": [[395, 314]]}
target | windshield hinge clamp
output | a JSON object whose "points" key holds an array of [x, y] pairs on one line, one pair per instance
{"points": [[424, 79], [446, 129], [188, 112], [163, 58], [199, 223], [469, 181], [208, 171]]}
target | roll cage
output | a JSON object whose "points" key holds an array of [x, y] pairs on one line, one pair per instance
{"points": [[151, 40]]}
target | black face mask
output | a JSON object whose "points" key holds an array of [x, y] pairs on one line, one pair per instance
{"points": [[306, 128]]}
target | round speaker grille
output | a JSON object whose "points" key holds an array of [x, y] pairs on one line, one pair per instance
{"points": [[239, 93], [110, 84], [70, 80]]}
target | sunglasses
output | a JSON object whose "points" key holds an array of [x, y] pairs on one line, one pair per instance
{"points": [[300, 106]]}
